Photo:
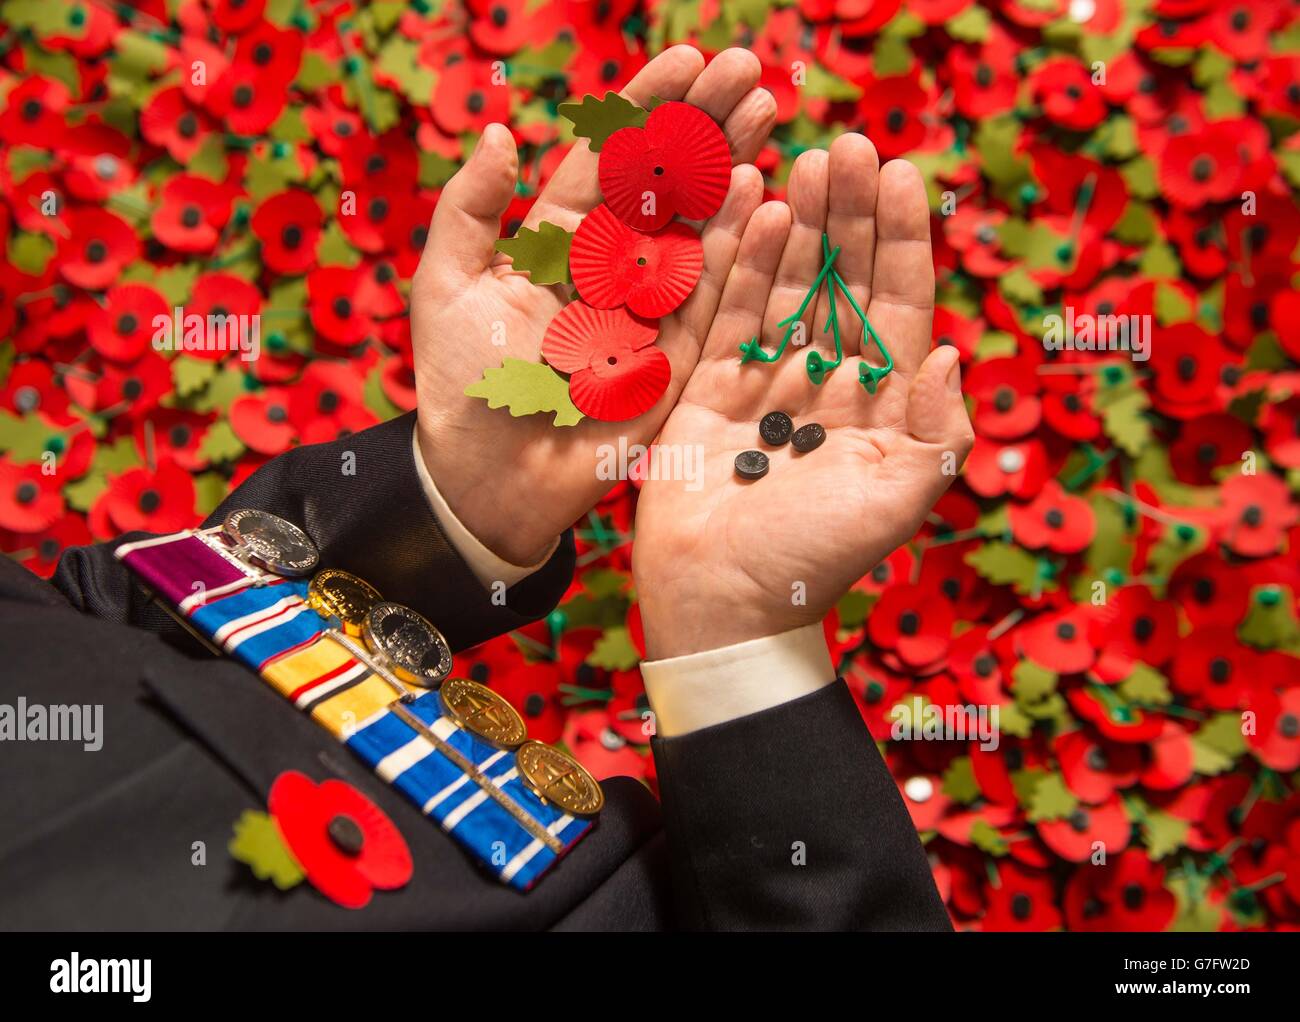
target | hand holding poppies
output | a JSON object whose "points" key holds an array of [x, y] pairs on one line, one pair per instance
{"points": [[737, 559], [518, 483]]}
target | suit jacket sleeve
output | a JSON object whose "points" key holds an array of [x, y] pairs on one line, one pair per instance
{"points": [[789, 819], [360, 500]]}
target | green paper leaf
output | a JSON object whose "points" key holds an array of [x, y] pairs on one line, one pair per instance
{"points": [[335, 248], [543, 253], [257, 843], [596, 119], [220, 444], [985, 837], [614, 651], [970, 26], [82, 494], [209, 491], [191, 375], [1222, 732], [1019, 287], [1006, 564], [1012, 720], [527, 388], [30, 253], [1032, 683], [1162, 833], [376, 400], [959, 781], [399, 59], [1122, 407], [822, 84], [1146, 685], [891, 56], [1271, 624], [1050, 800], [1172, 306]]}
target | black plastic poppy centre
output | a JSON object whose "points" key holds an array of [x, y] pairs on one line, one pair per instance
{"points": [[346, 834]]}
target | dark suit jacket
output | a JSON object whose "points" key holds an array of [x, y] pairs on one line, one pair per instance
{"points": [[107, 839]]}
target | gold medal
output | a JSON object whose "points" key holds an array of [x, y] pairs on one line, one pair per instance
{"points": [[408, 645], [342, 599], [477, 708], [557, 777]]}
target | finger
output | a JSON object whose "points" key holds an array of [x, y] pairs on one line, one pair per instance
{"points": [[748, 126], [574, 190], [851, 223], [802, 258], [724, 83], [721, 240], [467, 220], [936, 413], [744, 296], [902, 284]]}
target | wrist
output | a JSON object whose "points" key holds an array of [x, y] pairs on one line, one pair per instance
{"points": [[473, 489], [678, 625]]}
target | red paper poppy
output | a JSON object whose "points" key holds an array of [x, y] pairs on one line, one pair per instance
{"points": [[984, 79], [32, 387], [678, 164], [345, 843], [159, 501], [1022, 900], [1276, 739], [1201, 167], [276, 53], [652, 274], [1076, 837], [1126, 894], [288, 224], [1016, 469], [911, 622], [191, 213], [616, 373], [262, 421], [245, 100], [533, 689], [1055, 520], [173, 434], [1133, 626], [44, 548], [1172, 759], [470, 95], [168, 120], [335, 313], [1257, 512], [1208, 443], [34, 113], [1095, 771], [97, 248], [892, 110], [1059, 641], [328, 401], [121, 329], [236, 16], [30, 499], [222, 294], [1188, 362], [1214, 668], [1006, 397], [1064, 88]]}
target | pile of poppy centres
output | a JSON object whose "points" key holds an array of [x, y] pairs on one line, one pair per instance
{"points": [[632, 263]]}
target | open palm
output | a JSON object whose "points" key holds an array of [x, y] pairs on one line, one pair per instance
{"points": [[735, 559], [470, 309]]}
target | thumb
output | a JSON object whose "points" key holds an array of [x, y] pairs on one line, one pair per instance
{"points": [[936, 413], [467, 219]]}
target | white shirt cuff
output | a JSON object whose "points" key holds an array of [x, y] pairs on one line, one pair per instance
{"points": [[699, 690], [486, 566]]}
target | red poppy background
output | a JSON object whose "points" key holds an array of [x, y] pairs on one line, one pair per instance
{"points": [[1115, 568]]}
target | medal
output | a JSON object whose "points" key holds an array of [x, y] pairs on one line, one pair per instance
{"points": [[267, 541], [477, 708], [407, 644], [557, 777], [342, 599]]}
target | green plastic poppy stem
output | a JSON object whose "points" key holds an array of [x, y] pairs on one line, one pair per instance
{"points": [[833, 320], [752, 351], [838, 281]]}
